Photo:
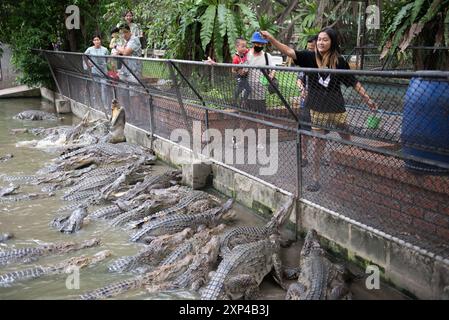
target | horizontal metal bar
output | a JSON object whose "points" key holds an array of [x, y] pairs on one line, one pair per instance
{"points": [[398, 74]]}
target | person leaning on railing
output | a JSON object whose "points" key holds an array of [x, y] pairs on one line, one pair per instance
{"points": [[131, 69], [92, 63], [325, 100]]}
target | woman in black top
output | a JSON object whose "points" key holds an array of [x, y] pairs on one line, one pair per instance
{"points": [[324, 97]]}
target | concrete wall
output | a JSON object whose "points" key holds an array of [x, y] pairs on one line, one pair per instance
{"points": [[8, 74], [411, 269]]}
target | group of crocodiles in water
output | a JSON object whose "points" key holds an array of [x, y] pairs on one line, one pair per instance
{"points": [[186, 243]]}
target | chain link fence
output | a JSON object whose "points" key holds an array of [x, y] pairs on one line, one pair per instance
{"points": [[370, 145]]}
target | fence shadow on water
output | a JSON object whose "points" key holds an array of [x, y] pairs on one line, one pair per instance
{"points": [[387, 169]]}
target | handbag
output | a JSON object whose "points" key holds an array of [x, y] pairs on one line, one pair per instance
{"points": [[275, 83]]}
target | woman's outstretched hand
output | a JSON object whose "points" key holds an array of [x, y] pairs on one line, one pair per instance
{"points": [[266, 35]]}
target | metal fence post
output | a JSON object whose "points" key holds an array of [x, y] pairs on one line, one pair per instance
{"points": [[150, 103], [279, 94], [53, 74], [298, 194], [181, 103], [97, 85], [199, 97]]}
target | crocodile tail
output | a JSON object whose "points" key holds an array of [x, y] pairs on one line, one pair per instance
{"points": [[113, 289], [122, 264], [215, 287], [139, 234]]}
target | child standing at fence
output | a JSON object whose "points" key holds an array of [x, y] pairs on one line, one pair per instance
{"points": [[324, 97], [241, 74]]}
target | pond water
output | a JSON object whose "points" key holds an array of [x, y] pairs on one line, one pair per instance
{"points": [[29, 221]]}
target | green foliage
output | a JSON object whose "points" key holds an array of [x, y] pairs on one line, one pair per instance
{"points": [[27, 25], [418, 22], [207, 25], [306, 17], [193, 29]]}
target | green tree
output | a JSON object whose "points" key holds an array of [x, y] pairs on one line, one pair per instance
{"points": [[216, 24], [418, 22], [27, 25]]}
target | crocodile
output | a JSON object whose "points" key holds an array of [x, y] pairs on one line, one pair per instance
{"points": [[197, 272], [8, 190], [20, 179], [6, 157], [28, 196], [31, 253], [108, 149], [35, 115], [92, 183], [173, 267], [152, 182], [145, 209], [62, 177], [115, 209], [122, 176], [118, 121], [153, 253], [178, 222], [241, 271], [246, 234], [161, 274], [66, 266], [319, 279], [178, 208], [6, 236], [71, 223], [107, 212]]}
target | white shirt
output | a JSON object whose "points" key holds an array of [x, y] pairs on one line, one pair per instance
{"points": [[255, 77], [100, 62]]}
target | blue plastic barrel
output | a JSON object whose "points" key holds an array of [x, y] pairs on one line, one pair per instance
{"points": [[425, 124]]}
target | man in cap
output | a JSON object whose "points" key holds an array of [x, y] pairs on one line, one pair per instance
{"points": [[257, 81]]}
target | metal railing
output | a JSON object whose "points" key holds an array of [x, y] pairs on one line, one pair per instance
{"points": [[385, 168]]}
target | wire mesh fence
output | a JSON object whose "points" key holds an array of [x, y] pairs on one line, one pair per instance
{"points": [[373, 146], [412, 58]]}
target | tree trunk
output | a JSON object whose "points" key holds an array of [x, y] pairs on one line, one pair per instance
{"points": [[286, 13], [71, 37], [320, 13], [265, 7]]}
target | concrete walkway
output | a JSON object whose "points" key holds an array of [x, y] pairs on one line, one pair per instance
{"points": [[20, 92]]}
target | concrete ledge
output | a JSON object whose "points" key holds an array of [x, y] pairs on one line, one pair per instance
{"points": [[412, 270], [49, 94], [20, 92]]}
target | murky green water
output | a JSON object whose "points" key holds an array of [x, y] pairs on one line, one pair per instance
{"points": [[29, 221]]}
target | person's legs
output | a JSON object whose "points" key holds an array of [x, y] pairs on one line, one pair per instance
{"points": [[318, 150], [322, 119], [237, 92], [247, 89]]}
